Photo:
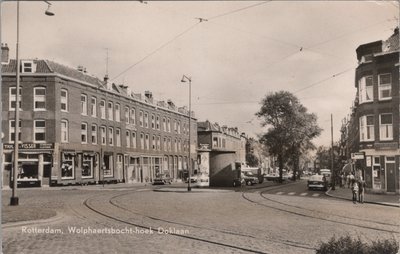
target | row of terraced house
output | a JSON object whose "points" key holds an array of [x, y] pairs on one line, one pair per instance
{"points": [[77, 129]]}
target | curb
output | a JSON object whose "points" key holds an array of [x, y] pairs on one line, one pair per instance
{"points": [[368, 202], [55, 218]]}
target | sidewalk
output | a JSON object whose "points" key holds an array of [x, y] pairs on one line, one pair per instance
{"points": [[372, 198]]}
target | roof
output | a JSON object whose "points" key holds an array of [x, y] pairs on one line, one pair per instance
{"points": [[392, 44]]}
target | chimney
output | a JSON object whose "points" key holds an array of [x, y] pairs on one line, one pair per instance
{"points": [[148, 96], [171, 105], [396, 31], [4, 53]]}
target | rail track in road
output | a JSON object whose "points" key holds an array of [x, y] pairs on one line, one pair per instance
{"points": [[305, 212], [144, 221]]}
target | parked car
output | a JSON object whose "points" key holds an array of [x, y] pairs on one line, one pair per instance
{"points": [[249, 178], [327, 173], [317, 182], [272, 177], [203, 180], [161, 180], [193, 179]]}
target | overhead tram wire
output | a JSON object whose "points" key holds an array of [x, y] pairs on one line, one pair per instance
{"points": [[238, 10], [156, 50]]}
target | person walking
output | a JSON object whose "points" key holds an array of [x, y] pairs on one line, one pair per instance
{"points": [[361, 190], [354, 190]]}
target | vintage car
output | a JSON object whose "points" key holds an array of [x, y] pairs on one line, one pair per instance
{"points": [[317, 182], [161, 180], [249, 178]]}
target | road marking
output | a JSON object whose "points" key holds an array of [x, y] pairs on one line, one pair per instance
{"points": [[315, 195], [291, 193], [304, 194], [279, 193]]}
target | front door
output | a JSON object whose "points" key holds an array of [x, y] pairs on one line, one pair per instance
{"points": [[390, 174]]}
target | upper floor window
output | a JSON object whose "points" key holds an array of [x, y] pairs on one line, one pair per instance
{"points": [[64, 131], [158, 122], [110, 111], [365, 89], [141, 140], [158, 143], [28, 67], [103, 109], [179, 127], [39, 98], [64, 100], [118, 137], [366, 58], [110, 136], [13, 98], [153, 121], [84, 133], [386, 127], [385, 86], [153, 142], [12, 131], [146, 120], [93, 106], [128, 139], [134, 140], [141, 118], [39, 130], [215, 142], [103, 135], [147, 138], [94, 134], [127, 118], [83, 104], [168, 125], [164, 124], [133, 116], [117, 112]]}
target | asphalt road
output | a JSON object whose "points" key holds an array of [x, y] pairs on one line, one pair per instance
{"points": [[280, 219]]}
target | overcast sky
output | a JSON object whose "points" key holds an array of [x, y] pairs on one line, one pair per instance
{"points": [[245, 50]]}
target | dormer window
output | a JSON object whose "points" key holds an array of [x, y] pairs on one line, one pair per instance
{"points": [[28, 67], [366, 58]]}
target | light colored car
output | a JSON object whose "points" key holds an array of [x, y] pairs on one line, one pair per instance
{"points": [[327, 173], [317, 182], [203, 181]]}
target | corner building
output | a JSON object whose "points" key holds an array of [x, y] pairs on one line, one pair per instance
{"points": [[376, 113], [78, 129]]}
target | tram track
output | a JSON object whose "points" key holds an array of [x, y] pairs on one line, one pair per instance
{"points": [[151, 222], [301, 213]]}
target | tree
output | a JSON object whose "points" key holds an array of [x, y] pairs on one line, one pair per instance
{"points": [[290, 128]]}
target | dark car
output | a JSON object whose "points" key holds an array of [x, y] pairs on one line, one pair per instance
{"points": [[161, 180], [249, 178]]}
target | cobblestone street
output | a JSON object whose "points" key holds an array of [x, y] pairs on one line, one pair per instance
{"points": [[140, 220]]}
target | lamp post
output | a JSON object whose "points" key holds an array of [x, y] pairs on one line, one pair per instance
{"points": [[189, 79], [14, 200]]}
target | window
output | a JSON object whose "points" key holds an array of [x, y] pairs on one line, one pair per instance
{"points": [[146, 120], [64, 131], [215, 142], [168, 125], [158, 123], [12, 131], [127, 118], [179, 127], [141, 118], [13, 98], [164, 144], [164, 123], [83, 104], [103, 109], [67, 166], [133, 116], [147, 141], [128, 139], [117, 112], [158, 143], [141, 140], [176, 146], [94, 134], [39, 98], [64, 100], [87, 166], [110, 136], [40, 130], [169, 144], [385, 86], [134, 140], [93, 106], [153, 121], [27, 66], [385, 127], [366, 91], [103, 135], [175, 126], [118, 137], [153, 142], [179, 145], [84, 133], [110, 111]]}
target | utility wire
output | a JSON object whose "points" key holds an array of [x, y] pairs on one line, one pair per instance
{"points": [[156, 50], [238, 10]]}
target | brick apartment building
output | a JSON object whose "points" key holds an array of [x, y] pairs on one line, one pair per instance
{"points": [[78, 129], [373, 129]]}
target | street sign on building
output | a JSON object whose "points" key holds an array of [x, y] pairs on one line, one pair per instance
{"points": [[358, 156]]}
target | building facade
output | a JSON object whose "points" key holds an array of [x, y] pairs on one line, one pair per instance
{"points": [[78, 129], [374, 124], [221, 153]]}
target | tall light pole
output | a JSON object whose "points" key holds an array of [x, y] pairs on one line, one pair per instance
{"points": [[14, 201], [189, 79], [332, 154]]}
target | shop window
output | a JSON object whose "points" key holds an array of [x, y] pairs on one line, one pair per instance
{"points": [[87, 166], [67, 166], [12, 130], [39, 98], [13, 98], [84, 133], [134, 140], [64, 131], [83, 104], [64, 100], [94, 134], [103, 109], [93, 106], [385, 127], [108, 165], [40, 130], [385, 86]]}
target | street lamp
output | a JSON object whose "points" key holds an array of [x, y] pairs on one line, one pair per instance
{"points": [[14, 199], [184, 80]]}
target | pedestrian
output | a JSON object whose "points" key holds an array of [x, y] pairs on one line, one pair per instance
{"points": [[354, 190], [343, 180], [361, 190], [351, 180]]}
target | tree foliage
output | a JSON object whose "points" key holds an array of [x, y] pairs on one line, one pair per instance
{"points": [[290, 128]]}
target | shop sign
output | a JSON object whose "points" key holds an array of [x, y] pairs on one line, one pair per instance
{"points": [[386, 146], [29, 146], [357, 156]]}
